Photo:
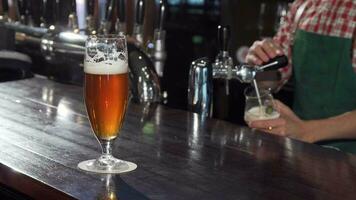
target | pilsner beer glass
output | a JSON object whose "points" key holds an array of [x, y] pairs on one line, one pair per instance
{"points": [[106, 96], [259, 108]]}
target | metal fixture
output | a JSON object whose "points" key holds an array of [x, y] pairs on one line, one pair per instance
{"points": [[202, 73], [159, 53], [63, 47], [200, 87], [138, 26]]}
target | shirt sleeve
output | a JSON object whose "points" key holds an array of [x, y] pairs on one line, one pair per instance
{"points": [[284, 38]]}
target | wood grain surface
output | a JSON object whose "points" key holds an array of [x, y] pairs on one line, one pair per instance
{"points": [[45, 133]]}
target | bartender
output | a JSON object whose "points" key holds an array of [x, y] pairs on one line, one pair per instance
{"points": [[318, 36]]}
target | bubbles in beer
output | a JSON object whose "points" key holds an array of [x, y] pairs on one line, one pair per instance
{"points": [[260, 113]]}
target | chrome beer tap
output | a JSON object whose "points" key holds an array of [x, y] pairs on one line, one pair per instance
{"points": [[223, 62], [105, 25], [56, 12], [90, 21], [138, 26], [21, 10], [202, 73], [246, 73], [29, 20], [49, 14], [145, 85], [44, 8], [62, 52], [120, 24], [4, 11], [159, 52], [200, 87], [73, 18], [24, 14]]}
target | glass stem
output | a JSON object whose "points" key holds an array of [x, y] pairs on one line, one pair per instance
{"points": [[106, 146], [106, 159]]}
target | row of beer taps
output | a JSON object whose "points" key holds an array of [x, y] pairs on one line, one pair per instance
{"points": [[57, 41]]}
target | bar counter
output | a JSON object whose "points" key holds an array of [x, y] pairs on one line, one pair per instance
{"points": [[45, 133]]}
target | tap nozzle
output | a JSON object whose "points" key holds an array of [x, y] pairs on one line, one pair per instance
{"points": [[246, 73]]}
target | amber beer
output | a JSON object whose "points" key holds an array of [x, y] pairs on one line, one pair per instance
{"points": [[106, 94]]}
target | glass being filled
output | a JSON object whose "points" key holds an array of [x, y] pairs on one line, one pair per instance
{"points": [[106, 95], [259, 105]]}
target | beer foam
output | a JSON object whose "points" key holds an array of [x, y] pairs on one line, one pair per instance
{"points": [[106, 67], [259, 113]]}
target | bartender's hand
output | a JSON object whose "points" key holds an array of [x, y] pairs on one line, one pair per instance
{"points": [[262, 51], [288, 124]]}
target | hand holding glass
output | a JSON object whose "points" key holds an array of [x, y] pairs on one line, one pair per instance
{"points": [[256, 109]]}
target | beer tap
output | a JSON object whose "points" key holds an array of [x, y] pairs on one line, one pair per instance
{"points": [[246, 73], [161, 14], [138, 27], [30, 20], [4, 11], [120, 25], [25, 14], [21, 5], [223, 61], [90, 21], [49, 13], [62, 51], [56, 13], [159, 53], [73, 18], [44, 8], [201, 74], [105, 25]]}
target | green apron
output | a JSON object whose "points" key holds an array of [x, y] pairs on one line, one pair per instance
{"points": [[324, 80]]}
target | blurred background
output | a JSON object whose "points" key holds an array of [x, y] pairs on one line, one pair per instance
{"points": [[191, 33]]}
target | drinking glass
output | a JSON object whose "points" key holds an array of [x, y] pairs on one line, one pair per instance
{"points": [[259, 108], [106, 96]]}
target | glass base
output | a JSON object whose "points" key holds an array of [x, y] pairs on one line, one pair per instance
{"points": [[107, 164]]}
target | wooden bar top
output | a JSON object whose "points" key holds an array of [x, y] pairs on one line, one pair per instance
{"points": [[45, 133]]}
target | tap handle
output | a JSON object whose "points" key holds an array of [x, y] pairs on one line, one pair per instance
{"points": [[28, 10], [223, 37], [73, 6], [161, 14], [42, 12], [140, 11], [57, 10], [121, 10], [90, 7], [22, 7], [274, 64], [109, 10], [44, 8], [5, 6]]}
